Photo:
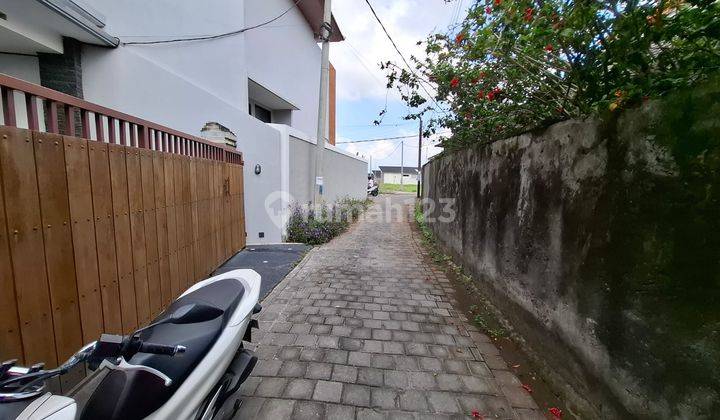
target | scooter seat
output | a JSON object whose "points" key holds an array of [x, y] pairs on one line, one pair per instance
{"points": [[198, 338], [134, 395]]}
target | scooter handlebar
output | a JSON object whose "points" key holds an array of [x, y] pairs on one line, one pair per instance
{"points": [[161, 349]]}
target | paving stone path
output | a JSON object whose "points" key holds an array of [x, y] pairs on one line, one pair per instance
{"points": [[364, 328]]}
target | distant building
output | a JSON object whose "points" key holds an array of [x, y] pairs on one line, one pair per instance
{"points": [[218, 133], [377, 175], [394, 175]]}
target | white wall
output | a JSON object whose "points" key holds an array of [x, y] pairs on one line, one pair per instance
{"points": [[393, 178], [284, 58], [217, 66], [344, 175], [20, 66]]}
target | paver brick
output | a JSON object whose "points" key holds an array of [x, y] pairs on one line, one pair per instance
{"points": [[383, 398], [318, 370], [271, 387], [343, 373], [339, 412], [356, 358], [299, 389], [327, 391], [370, 376], [356, 395], [413, 401], [345, 336], [275, 408], [308, 410]]}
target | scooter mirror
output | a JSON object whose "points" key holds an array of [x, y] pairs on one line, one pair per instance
{"points": [[193, 313]]}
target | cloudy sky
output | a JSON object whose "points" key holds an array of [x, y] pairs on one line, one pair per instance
{"points": [[360, 82]]}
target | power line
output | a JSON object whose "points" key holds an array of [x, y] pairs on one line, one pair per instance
{"points": [[209, 37], [377, 126], [386, 138], [401, 55], [391, 153]]}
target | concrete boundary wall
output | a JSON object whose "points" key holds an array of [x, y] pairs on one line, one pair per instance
{"points": [[599, 241], [344, 174]]}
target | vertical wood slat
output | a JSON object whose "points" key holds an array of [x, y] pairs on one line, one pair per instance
{"points": [[137, 229], [112, 137], [32, 112], [162, 228], [99, 128], [57, 235], [105, 235], [171, 214], [194, 210], [23, 218], [148, 197], [8, 104], [99, 211], [83, 231], [52, 122], [123, 237], [69, 121], [10, 339], [183, 227], [122, 126]]}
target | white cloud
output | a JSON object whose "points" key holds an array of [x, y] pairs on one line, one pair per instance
{"points": [[356, 59]]}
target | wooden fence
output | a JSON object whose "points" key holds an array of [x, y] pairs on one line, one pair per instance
{"points": [[99, 236]]}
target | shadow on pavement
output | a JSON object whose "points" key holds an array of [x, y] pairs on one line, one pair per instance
{"points": [[272, 262]]}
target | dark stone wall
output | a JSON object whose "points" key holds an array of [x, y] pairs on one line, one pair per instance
{"points": [[63, 72], [600, 241]]}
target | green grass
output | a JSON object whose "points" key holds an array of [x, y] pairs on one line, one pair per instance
{"points": [[392, 188]]}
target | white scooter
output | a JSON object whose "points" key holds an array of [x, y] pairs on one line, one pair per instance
{"points": [[188, 363]]}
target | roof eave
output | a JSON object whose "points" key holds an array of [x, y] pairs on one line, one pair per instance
{"points": [[82, 19]]}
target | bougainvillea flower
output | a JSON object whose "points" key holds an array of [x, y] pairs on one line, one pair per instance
{"points": [[476, 414], [549, 48], [491, 95], [488, 10], [459, 38], [556, 412], [454, 82], [528, 14], [527, 388], [498, 2], [481, 95]]}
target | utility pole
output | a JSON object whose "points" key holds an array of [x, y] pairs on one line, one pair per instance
{"points": [[419, 168], [325, 29], [402, 161]]}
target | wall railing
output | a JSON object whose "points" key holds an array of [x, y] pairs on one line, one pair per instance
{"points": [[55, 112]]}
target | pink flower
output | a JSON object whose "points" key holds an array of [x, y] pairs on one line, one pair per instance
{"points": [[454, 82], [556, 412]]}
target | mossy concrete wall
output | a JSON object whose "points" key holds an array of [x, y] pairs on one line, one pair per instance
{"points": [[600, 241]]}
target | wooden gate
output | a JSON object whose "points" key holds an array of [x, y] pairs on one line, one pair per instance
{"points": [[99, 236]]}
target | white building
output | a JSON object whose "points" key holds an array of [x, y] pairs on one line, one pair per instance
{"points": [[394, 175], [260, 84]]}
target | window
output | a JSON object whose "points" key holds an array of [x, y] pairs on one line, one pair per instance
{"points": [[263, 114]]}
